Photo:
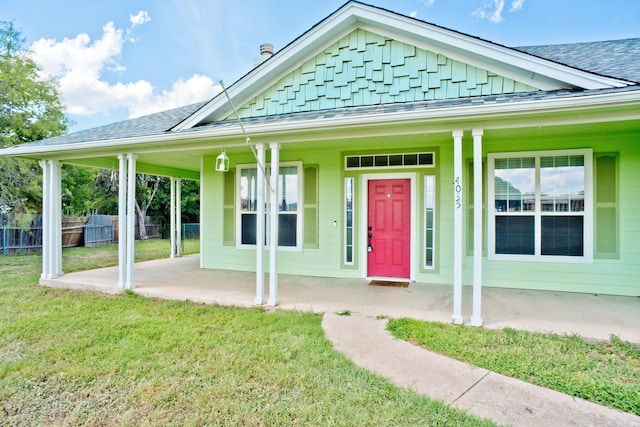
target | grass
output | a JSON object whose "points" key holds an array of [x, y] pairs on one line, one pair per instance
{"points": [[80, 358], [607, 373]]}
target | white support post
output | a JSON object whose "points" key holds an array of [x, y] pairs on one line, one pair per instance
{"points": [[273, 217], [457, 227], [202, 210], [476, 316], [56, 224], [260, 225], [131, 216], [46, 214], [172, 218], [178, 217], [122, 220]]}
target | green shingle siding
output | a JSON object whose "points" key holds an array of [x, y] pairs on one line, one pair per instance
{"points": [[364, 68]]}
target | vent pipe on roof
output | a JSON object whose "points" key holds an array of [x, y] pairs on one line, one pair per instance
{"points": [[266, 50]]}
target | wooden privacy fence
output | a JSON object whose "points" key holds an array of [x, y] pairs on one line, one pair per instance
{"points": [[98, 230], [73, 231], [76, 231], [16, 239]]}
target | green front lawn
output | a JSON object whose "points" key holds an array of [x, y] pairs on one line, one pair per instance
{"points": [[607, 373], [81, 358]]}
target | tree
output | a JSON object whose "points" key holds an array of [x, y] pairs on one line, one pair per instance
{"points": [[30, 110], [146, 189]]}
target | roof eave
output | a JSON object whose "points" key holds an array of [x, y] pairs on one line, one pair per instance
{"points": [[448, 115]]}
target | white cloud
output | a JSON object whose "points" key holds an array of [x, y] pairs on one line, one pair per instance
{"points": [[182, 92], [428, 3], [516, 5], [79, 65], [141, 18], [413, 13], [491, 10]]}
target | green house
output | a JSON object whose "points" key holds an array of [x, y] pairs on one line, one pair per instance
{"points": [[380, 146]]}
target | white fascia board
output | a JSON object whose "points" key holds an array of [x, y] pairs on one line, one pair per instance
{"points": [[484, 53], [447, 116]]}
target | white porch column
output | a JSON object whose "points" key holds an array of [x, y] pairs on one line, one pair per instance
{"points": [[178, 217], [122, 220], [172, 218], [260, 225], [476, 316], [131, 217], [202, 209], [46, 214], [175, 215], [56, 218], [457, 227], [273, 217]]}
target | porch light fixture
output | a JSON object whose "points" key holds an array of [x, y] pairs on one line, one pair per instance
{"points": [[222, 162]]}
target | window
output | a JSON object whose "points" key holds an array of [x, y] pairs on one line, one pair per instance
{"points": [[348, 228], [289, 196], [429, 220], [541, 206], [403, 160]]}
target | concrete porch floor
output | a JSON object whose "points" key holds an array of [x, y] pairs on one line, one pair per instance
{"points": [[590, 316]]}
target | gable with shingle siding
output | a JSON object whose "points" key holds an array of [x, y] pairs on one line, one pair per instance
{"points": [[364, 68]]}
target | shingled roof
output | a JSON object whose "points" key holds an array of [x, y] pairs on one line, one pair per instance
{"points": [[152, 124], [611, 58]]}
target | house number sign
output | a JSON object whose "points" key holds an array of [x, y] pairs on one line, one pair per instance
{"points": [[458, 191]]}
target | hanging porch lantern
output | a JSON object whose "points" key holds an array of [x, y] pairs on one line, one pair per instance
{"points": [[222, 162]]}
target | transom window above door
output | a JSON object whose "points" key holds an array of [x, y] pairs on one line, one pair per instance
{"points": [[399, 160], [540, 206]]}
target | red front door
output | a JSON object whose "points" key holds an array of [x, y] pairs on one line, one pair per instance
{"points": [[389, 228]]}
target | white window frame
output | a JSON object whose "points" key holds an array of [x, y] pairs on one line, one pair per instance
{"points": [[588, 213], [267, 198], [349, 191], [434, 227]]}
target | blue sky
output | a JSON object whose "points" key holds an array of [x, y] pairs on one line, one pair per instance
{"points": [[124, 58]]}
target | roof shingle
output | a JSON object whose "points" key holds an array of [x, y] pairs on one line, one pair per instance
{"points": [[612, 58]]}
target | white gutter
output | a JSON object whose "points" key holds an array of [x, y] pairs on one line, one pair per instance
{"points": [[450, 114]]}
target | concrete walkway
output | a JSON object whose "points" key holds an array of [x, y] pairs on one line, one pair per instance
{"points": [[475, 390]]}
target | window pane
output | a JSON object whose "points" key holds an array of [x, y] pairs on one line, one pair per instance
{"points": [[287, 229], [514, 181], [353, 162], [248, 190], [382, 160], [563, 235], [425, 159], [562, 183], [348, 195], [395, 160], [429, 214], [366, 161], [410, 159], [288, 189], [515, 235], [248, 229]]}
